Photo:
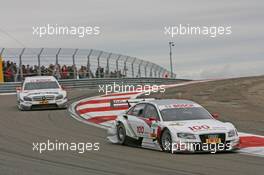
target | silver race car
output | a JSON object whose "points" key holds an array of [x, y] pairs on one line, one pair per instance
{"points": [[173, 125], [41, 92]]}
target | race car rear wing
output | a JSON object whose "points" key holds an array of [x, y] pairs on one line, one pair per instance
{"points": [[130, 102]]}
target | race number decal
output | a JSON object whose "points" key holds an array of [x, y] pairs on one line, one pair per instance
{"points": [[140, 129], [198, 128]]}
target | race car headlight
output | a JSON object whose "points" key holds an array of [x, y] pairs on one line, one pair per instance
{"points": [[186, 136], [59, 97], [27, 98], [231, 133]]}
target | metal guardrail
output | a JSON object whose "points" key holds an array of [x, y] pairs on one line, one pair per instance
{"points": [[94, 83]]}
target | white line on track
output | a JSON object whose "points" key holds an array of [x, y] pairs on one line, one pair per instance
{"points": [[11, 93]]}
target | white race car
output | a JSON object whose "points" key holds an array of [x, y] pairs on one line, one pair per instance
{"points": [[40, 92], [173, 126]]}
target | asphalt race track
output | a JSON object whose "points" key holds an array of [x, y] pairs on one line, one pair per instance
{"points": [[18, 130]]}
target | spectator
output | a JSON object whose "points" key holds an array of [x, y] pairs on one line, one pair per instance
{"points": [[13, 73], [27, 71], [8, 74], [101, 72], [65, 72], [57, 71], [97, 73]]}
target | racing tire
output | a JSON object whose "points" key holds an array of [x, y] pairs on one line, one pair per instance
{"points": [[121, 134], [166, 141]]}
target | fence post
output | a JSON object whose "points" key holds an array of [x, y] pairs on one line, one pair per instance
{"points": [[88, 64], [98, 64], [125, 66], [39, 70], [117, 73], [163, 73], [20, 63], [132, 66], [146, 68], [107, 65], [155, 70], [74, 65], [139, 69], [151, 70], [56, 71], [2, 50], [57, 56], [1, 67], [160, 69]]}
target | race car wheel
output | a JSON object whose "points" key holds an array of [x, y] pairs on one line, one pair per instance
{"points": [[165, 141], [121, 134]]}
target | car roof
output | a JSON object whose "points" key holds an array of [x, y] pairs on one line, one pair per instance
{"points": [[171, 101], [39, 78]]}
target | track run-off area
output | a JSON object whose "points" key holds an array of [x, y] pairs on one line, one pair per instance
{"points": [[18, 130]]}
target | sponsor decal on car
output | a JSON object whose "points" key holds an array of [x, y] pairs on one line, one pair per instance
{"points": [[140, 129], [161, 107], [40, 80], [199, 128], [177, 124]]}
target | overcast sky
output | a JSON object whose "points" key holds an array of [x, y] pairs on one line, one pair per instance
{"points": [[136, 28]]}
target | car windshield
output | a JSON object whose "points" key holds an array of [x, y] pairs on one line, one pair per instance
{"points": [[175, 114], [41, 85]]}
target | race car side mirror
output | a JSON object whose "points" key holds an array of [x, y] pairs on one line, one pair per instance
{"points": [[125, 116], [215, 115], [152, 118]]}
